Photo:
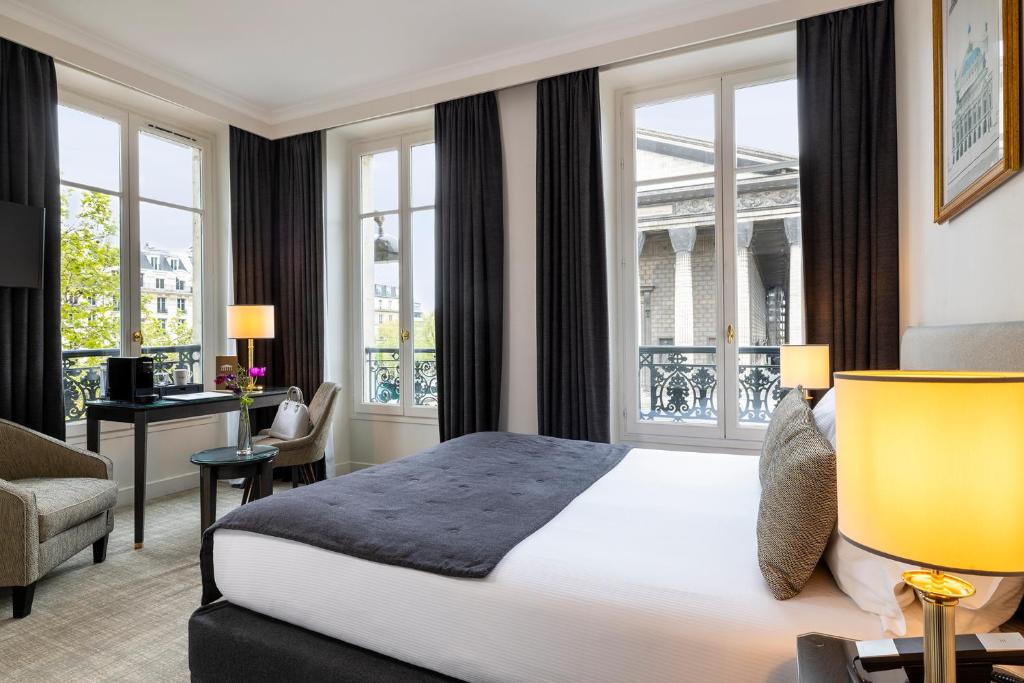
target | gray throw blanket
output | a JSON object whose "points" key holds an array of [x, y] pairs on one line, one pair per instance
{"points": [[455, 509]]}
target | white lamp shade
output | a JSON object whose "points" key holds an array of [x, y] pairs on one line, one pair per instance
{"points": [[930, 467], [805, 365], [251, 322]]}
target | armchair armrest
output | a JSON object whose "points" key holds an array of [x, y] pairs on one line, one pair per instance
{"points": [[26, 453], [19, 536]]}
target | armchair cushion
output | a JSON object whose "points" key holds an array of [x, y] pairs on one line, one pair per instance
{"points": [[64, 503]]}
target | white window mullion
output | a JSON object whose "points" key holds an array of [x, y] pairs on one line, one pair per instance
{"points": [[405, 289]]}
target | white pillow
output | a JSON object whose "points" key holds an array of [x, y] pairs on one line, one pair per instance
{"points": [[875, 583], [825, 416]]}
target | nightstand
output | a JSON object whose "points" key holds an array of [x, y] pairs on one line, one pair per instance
{"points": [[830, 659]]}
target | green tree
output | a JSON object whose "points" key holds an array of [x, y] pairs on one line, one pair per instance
{"points": [[90, 271]]}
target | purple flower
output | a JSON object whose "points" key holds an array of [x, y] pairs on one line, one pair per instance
{"points": [[257, 372], [236, 391], [230, 378]]}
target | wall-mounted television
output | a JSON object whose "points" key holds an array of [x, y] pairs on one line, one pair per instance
{"points": [[21, 245]]}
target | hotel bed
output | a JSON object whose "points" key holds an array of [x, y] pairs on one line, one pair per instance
{"points": [[649, 574]]}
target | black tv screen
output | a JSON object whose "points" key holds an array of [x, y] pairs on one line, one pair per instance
{"points": [[21, 245]]}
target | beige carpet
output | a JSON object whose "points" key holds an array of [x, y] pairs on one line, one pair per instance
{"points": [[125, 619]]}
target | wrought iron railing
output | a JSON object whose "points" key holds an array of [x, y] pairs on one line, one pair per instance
{"points": [[383, 380], [680, 383], [83, 371]]}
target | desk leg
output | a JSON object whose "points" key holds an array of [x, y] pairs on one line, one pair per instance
{"points": [[266, 479], [92, 433], [140, 477], [207, 497]]}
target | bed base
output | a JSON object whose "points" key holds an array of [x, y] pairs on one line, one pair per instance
{"points": [[229, 643]]}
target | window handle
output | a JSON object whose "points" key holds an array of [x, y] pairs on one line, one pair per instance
{"points": [[730, 333], [137, 336], [405, 335]]}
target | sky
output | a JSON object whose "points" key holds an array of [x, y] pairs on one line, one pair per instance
{"points": [[90, 153], [766, 117], [385, 183]]}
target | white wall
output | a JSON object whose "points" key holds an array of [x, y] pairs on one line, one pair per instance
{"points": [[969, 269], [518, 111]]}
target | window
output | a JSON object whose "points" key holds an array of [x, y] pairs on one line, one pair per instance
{"points": [[179, 284], [131, 203], [181, 305], [393, 234], [711, 244]]}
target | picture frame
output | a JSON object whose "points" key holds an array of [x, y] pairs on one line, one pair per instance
{"points": [[976, 100]]}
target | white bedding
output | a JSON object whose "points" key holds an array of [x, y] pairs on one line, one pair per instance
{"points": [[649, 575]]}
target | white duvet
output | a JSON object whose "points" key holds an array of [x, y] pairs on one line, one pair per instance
{"points": [[649, 575]]}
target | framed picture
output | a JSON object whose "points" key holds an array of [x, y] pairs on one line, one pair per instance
{"points": [[977, 99]]}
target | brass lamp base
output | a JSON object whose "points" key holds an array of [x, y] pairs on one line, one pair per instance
{"points": [[252, 350], [939, 595]]}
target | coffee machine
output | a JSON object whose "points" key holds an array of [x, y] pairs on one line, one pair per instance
{"points": [[130, 378]]}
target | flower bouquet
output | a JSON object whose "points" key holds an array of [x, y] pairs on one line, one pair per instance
{"points": [[243, 383]]}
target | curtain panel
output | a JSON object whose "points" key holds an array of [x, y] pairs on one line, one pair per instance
{"points": [[573, 361], [846, 83], [31, 389], [469, 260], [277, 244]]}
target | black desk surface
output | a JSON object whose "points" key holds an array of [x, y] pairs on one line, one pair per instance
{"points": [[171, 403]]}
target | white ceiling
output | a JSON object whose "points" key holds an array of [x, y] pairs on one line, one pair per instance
{"points": [[276, 60]]}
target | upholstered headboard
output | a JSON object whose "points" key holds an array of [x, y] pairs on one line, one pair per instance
{"points": [[984, 346]]}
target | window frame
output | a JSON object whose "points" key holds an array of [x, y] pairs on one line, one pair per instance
{"points": [[131, 122], [405, 410], [727, 432]]}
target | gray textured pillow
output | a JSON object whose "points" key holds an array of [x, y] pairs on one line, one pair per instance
{"points": [[798, 498]]}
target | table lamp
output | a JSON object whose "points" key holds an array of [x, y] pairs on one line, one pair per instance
{"points": [[804, 367], [930, 469], [251, 322]]}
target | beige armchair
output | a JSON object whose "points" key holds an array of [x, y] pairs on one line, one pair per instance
{"points": [[300, 454], [55, 501]]}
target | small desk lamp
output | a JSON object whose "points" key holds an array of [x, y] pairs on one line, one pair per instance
{"points": [[930, 469], [251, 322], [804, 367]]}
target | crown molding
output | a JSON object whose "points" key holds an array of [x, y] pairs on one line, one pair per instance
{"points": [[489, 74], [611, 42], [72, 46]]}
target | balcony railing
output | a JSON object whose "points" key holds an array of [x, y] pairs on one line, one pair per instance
{"points": [[680, 383], [383, 376], [82, 371]]}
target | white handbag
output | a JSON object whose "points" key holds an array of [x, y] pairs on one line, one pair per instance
{"points": [[292, 419]]}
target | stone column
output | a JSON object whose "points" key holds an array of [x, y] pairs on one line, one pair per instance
{"points": [[795, 291], [744, 234], [683, 240]]}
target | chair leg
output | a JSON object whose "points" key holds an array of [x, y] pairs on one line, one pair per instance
{"points": [[312, 473], [247, 491], [99, 550], [294, 470], [23, 596]]}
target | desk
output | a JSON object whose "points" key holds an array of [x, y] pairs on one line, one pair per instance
{"points": [[142, 414]]}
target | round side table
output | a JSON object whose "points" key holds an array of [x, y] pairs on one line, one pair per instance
{"points": [[224, 463]]}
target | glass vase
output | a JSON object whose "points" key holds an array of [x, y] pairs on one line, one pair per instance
{"points": [[244, 432]]}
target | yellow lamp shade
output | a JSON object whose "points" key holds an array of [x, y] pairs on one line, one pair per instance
{"points": [[805, 365], [251, 322], [930, 467]]}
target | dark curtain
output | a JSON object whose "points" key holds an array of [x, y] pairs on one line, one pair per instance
{"points": [[573, 395], [31, 391], [277, 239], [846, 83], [470, 244]]}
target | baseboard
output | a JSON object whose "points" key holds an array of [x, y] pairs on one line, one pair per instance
{"points": [[350, 467], [160, 487]]}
